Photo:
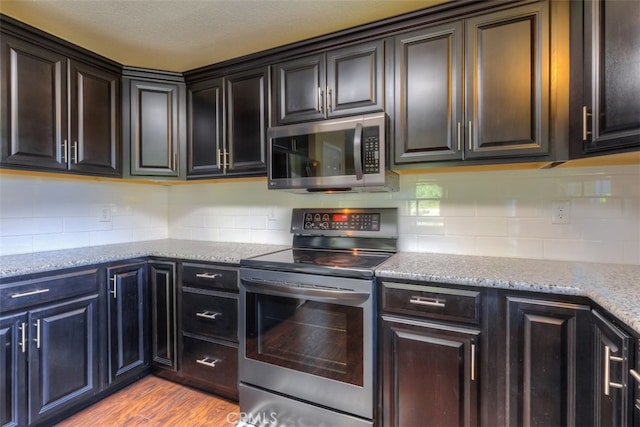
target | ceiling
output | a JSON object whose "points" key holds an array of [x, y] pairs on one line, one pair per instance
{"points": [[179, 35]]}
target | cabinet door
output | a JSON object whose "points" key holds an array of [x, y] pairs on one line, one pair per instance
{"points": [[162, 276], [13, 373], [127, 321], [429, 374], [247, 100], [205, 139], [507, 82], [355, 79], [636, 388], [428, 95], [155, 131], [611, 87], [95, 120], [63, 356], [33, 112], [547, 363], [612, 351], [300, 86]]}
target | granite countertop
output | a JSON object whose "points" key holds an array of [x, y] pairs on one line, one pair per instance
{"points": [[615, 287]]}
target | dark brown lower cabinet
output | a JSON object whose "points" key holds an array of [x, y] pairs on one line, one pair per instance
{"points": [[127, 322], [13, 371], [162, 283], [430, 375], [636, 388], [548, 363]]}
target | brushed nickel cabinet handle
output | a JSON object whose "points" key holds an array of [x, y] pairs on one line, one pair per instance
{"points": [[431, 302], [329, 100], [209, 314], [459, 136], [37, 338], [64, 151], [174, 163], [208, 361], [635, 374], [23, 336], [473, 362], [74, 158], [29, 293], [585, 131], [115, 288], [608, 358], [470, 137], [320, 100], [209, 276]]}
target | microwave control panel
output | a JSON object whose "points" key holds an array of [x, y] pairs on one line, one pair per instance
{"points": [[371, 148]]}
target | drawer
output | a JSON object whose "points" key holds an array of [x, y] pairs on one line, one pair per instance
{"points": [[27, 293], [433, 302], [211, 365], [211, 315], [210, 277]]}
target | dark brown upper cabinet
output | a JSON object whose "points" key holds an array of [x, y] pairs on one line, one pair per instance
{"points": [[605, 70], [58, 114], [474, 89], [337, 83], [155, 126], [228, 121]]}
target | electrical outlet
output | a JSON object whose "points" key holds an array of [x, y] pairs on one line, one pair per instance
{"points": [[105, 214], [561, 212]]}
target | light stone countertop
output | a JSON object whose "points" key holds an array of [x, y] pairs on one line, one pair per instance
{"points": [[616, 287]]}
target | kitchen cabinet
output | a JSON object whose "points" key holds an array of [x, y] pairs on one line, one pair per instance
{"points": [[611, 377], [127, 322], [209, 318], [228, 121], [154, 123], [548, 363], [336, 83], [605, 89], [430, 355], [49, 332], [635, 374], [164, 344], [58, 113], [474, 89]]}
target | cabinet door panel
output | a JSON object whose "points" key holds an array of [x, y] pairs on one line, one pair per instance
{"points": [[430, 376], [63, 356], [34, 107], [163, 322], [247, 97], [508, 82], [428, 93], [95, 123], [355, 77], [205, 103], [300, 89], [12, 371]]}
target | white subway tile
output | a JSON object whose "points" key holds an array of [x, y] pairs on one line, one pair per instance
{"points": [[510, 247]]}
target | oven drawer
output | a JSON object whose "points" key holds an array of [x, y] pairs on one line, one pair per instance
{"points": [[210, 315], [210, 277], [213, 366], [431, 302]]}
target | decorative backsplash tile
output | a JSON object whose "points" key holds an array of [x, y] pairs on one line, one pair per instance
{"points": [[501, 213]]}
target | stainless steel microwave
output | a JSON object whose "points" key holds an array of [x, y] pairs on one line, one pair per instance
{"points": [[347, 154]]}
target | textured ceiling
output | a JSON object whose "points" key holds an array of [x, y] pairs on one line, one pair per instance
{"points": [[180, 35]]}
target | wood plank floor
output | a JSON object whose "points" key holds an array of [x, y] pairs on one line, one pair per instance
{"points": [[153, 401]]}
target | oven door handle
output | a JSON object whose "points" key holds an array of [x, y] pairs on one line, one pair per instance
{"points": [[293, 289]]}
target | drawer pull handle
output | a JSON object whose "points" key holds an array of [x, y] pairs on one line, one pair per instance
{"points": [[635, 374], [28, 294], [208, 361], [431, 302], [210, 276], [608, 358], [209, 315]]}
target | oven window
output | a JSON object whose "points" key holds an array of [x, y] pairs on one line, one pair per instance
{"points": [[314, 337]]}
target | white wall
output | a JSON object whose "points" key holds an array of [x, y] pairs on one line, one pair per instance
{"points": [[505, 213]]}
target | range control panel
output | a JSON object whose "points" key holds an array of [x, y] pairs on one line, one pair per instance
{"points": [[341, 221]]}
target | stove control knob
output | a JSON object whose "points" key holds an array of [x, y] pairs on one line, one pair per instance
{"points": [[307, 225], [324, 225]]}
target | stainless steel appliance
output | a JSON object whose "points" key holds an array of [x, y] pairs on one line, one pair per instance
{"points": [[307, 323], [347, 154]]}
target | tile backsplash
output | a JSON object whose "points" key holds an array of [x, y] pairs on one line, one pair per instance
{"points": [[494, 213]]}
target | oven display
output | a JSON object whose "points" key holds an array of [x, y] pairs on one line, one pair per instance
{"points": [[342, 221]]}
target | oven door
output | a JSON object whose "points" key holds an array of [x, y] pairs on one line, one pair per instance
{"points": [[309, 337]]}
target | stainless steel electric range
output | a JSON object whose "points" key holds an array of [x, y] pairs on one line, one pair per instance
{"points": [[307, 323]]}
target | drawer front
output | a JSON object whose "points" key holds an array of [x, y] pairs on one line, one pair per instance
{"points": [[213, 316], [27, 293], [431, 302], [210, 277], [212, 365]]}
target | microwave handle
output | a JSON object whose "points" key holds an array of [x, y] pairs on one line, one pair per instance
{"points": [[357, 150]]}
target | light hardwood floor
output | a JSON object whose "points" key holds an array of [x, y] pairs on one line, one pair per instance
{"points": [[153, 401]]}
